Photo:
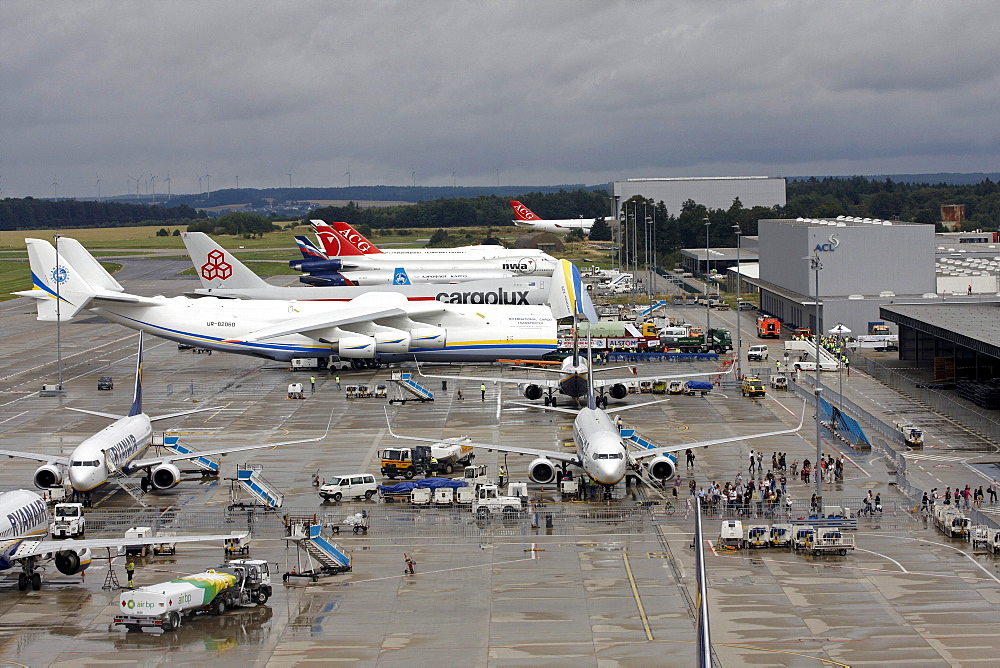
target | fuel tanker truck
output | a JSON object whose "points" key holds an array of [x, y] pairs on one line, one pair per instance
{"points": [[162, 606]]}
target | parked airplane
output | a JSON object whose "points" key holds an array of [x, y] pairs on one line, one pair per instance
{"points": [[24, 520], [524, 217], [601, 449], [378, 326], [345, 256], [117, 451], [223, 275]]}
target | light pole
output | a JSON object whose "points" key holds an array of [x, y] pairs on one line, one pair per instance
{"points": [[816, 265], [839, 332], [708, 309], [739, 333], [58, 276]]}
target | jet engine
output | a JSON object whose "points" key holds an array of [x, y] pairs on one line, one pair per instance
{"points": [[71, 562], [542, 471], [316, 266], [428, 337], [618, 391], [662, 468], [533, 392], [49, 475], [356, 347], [325, 279], [392, 342], [165, 476]]}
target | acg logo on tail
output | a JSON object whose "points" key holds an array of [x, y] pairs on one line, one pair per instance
{"points": [[355, 239]]}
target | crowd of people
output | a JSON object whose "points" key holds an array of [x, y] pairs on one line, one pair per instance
{"points": [[969, 496]]}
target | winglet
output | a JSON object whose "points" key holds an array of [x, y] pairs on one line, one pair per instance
{"points": [[136, 408]]}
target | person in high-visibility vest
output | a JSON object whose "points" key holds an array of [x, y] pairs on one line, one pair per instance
{"points": [[130, 572], [482, 390]]}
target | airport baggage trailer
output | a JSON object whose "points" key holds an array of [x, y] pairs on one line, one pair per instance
{"points": [[167, 546], [757, 535], [162, 606], [993, 541], [444, 496], [979, 536], [731, 534], [421, 496], [804, 537], [832, 541], [955, 524], [782, 534]]}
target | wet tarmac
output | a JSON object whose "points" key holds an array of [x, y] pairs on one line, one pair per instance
{"points": [[583, 593]]}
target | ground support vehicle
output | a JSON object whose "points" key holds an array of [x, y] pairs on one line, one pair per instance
{"points": [[295, 391], [768, 327], [913, 436], [67, 521], [832, 541], [239, 543], [951, 521], [694, 340], [424, 492], [489, 501], [358, 523], [442, 457], [758, 535], [779, 383], [992, 541], [143, 532], [781, 535], [167, 546], [569, 488], [757, 354], [105, 383], [833, 516], [692, 387], [349, 487], [163, 606], [731, 534], [752, 387], [305, 364], [805, 536]]}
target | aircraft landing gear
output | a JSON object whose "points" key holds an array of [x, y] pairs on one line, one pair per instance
{"points": [[144, 483], [36, 581], [28, 576], [22, 582]]}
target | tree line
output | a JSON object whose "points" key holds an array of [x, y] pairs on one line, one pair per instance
{"points": [[36, 214]]}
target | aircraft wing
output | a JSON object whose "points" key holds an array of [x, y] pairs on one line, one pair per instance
{"points": [[35, 548], [149, 462], [653, 452], [372, 306], [534, 452], [542, 382], [599, 382], [110, 416], [48, 459]]}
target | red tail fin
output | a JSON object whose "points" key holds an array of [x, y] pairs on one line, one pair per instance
{"points": [[333, 243], [522, 212], [356, 238]]}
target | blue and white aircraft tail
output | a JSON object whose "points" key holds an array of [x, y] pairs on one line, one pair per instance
{"points": [[400, 277], [309, 250]]}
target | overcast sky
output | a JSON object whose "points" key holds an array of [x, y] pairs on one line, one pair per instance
{"points": [[545, 92]]}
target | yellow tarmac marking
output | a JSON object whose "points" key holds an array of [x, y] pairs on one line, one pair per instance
{"points": [[638, 601]]}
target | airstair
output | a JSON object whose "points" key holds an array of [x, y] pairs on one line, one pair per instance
{"points": [[331, 558], [171, 443], [263, 493], [408, 389], [649, 310], [132, 488]]}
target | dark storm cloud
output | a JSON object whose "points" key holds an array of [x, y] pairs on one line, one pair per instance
{"points": [[548, 92]]}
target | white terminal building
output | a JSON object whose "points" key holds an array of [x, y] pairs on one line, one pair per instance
{"points": [[714, 192]]}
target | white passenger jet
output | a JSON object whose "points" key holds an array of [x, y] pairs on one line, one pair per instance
{"points": [[602, 450], [24, 520], [223, 275], [378, 326], [524, 217], [118, 451]]}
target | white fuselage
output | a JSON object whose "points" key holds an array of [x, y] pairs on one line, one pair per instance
{"points": [[109, 451], [442, 274], [520, 264], [600, 446], [481, 252], [574, 380], [22, 513], [504, 291], [467, 333]]}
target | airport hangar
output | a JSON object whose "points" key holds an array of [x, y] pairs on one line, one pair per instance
{"points": [[713, 192]]}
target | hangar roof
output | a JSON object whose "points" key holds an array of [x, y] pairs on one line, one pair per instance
{"points": [[971, 325]]}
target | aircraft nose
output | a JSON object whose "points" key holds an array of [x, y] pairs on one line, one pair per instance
{"points": [[82, 477], [612, 471]]}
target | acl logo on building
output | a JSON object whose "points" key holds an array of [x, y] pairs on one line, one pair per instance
{"points": [[216, 267], [832, 246]]}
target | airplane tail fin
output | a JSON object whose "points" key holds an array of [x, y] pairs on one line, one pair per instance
{"points": [[523, 213], [137, 395], [400, 277], [60, 290], [567, 296], [217, 268], [335, 245], [90, 269], [309, 250], [356, 238]]}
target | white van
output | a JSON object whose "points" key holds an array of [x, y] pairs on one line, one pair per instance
{"points": [[351, 487], [758, 353]]}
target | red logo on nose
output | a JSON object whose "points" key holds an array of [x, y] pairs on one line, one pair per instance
{"points": [[216, 267]]}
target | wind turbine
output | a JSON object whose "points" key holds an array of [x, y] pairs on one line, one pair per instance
{"points": [[348, 175], [208, 183], [237, 181], [289, 179], [98, 188], [55, 190], [200, 179], [454, 181], [152, 181], [168, 185], [413, 175]]}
